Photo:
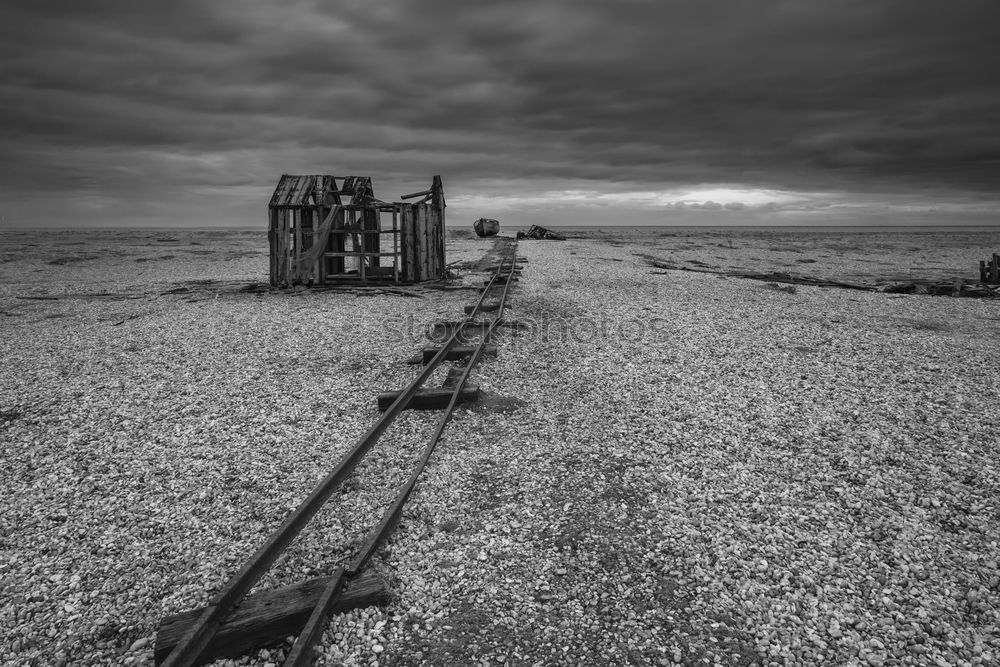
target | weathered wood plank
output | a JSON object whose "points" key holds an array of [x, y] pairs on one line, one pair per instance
{"points": [[269, 616], [485, 308], [439, 205], [430, 399], [444, 329], [432, 244], [284, 183], [282, 247], [373, 239], [291, 184], [358, 254], [297, 267], [434, 247], [272, 239], [458, 352], [414, 195], [407, 241], [420, 244], [395, 244], [303, 188]]}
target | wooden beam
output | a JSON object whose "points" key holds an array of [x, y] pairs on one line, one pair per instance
{"points": [[301, 654], [417, 194], [268, 617], [447, 328], [485, 308], [457, 352], [430, 399]]}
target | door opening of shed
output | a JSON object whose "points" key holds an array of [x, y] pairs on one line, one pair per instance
{"points": [[326, 230]]}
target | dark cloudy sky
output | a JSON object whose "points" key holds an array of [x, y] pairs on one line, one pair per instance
{"points": [[186, 112]]}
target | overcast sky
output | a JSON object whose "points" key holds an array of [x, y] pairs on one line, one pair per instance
{"points": [[553, 112]]}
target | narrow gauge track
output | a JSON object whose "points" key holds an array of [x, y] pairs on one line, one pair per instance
{"points": [[190, 647]]}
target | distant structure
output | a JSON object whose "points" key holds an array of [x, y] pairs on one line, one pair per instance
{"points": [[989, 270], [327, 230]]}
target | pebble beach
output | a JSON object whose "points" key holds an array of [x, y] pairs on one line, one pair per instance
{"points": [[664, 468]]}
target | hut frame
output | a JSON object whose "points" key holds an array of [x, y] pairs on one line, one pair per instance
{"points": [[326, 230]]}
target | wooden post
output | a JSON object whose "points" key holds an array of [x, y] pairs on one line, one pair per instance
{"points": [[424, 253], [337, 239], [438, 204], [286, 246], [430, 399], [272, 242], [428, 243], [296, 217], [362, 258], [982, 271], [373, 242], [407, 241], [395, 244], [309, 229], [282, 246], [995, 269], [419, 243], [432, 254]]}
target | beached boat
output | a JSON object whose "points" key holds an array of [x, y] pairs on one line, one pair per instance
{"points": [[486, 227]]}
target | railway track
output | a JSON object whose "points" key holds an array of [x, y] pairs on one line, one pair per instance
{"points": [[480, 321]]}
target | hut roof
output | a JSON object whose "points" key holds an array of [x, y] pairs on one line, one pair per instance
{"points": [[295, 191]]}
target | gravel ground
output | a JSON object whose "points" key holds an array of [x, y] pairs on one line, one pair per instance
{"points": [[864, 255], [665, 468]]}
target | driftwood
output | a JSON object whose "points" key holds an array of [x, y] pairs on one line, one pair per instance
{"points": [[541, 233], [957, 288]]}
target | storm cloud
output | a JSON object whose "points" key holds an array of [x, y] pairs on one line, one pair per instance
{"points": [[187, 112]]}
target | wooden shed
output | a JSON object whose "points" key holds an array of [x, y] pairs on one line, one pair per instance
{"points": [[330, 229]]}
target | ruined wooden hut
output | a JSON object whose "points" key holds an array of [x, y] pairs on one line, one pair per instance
{"points": [[327, 230]]}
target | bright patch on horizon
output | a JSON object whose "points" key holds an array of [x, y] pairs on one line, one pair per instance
{"points": [[731, 198], [748, 197]]}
